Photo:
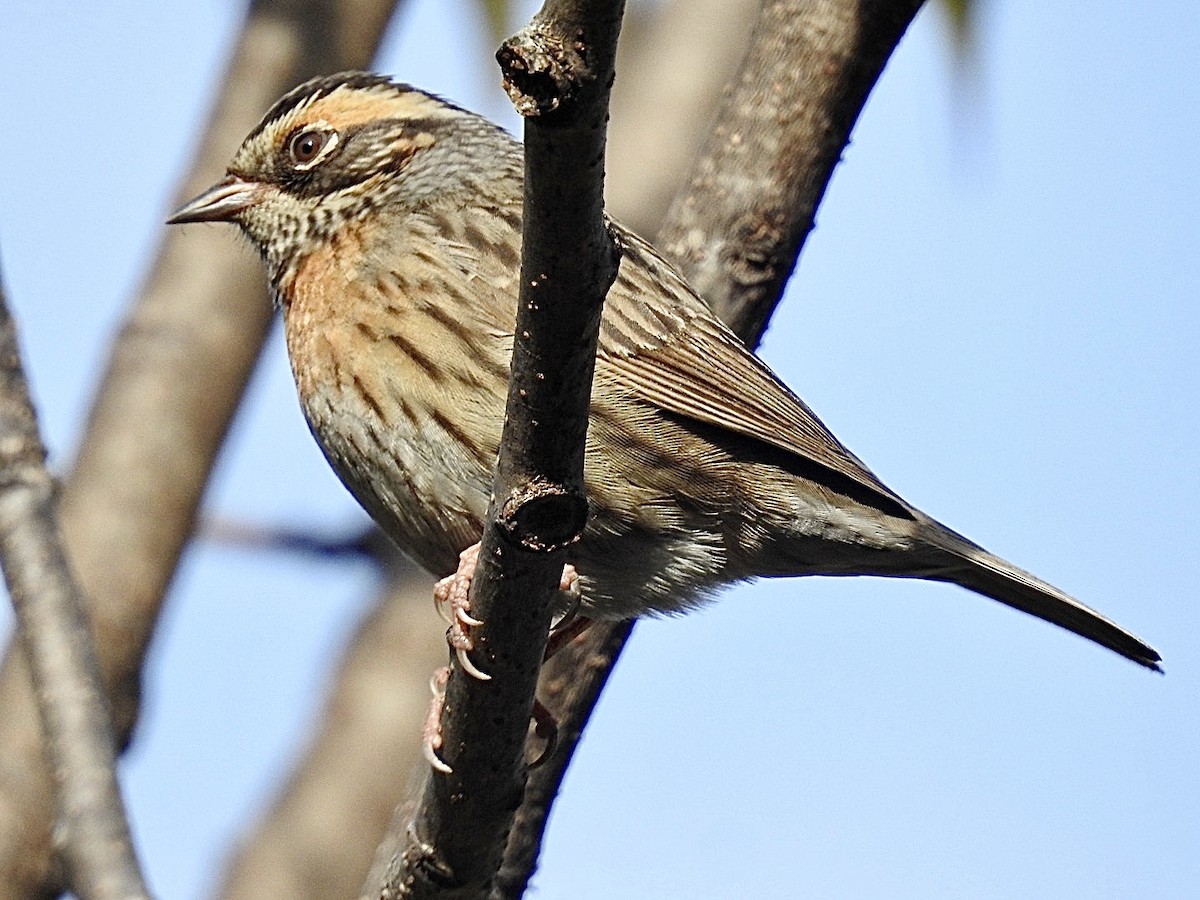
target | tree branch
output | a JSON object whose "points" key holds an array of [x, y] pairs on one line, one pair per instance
{"points": [[570, 687], [53, 628], [736, 230], [780, 130], [129, 504], [674, 70], [559, 71], [317, 840]]}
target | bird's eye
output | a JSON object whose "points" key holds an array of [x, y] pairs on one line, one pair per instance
{"points": [[307, 146]]}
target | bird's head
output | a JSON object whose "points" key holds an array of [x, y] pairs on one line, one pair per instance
{"points": [[337, 149]]}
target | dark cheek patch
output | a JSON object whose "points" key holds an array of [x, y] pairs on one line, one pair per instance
{"points": [[361, 152]]}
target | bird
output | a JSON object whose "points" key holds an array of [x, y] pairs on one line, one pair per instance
{"points": [[389, 223]]}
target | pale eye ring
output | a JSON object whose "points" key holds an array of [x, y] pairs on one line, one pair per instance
{"points": [[306, 146]]}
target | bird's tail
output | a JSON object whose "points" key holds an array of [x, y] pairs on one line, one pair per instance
{"points": [[978, 570]]}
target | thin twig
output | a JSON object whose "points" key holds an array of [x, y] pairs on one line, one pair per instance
{"points": [[93, 836], [559, 72]]}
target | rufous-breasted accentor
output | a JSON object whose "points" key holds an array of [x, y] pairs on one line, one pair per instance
{"points": [[390, 224]]}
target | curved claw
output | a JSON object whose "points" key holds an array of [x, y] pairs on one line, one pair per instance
{"points": [[469, 667], [570, 613], [544, 756], [435, 761], [431, 732], [466, 618], [545, 726]]}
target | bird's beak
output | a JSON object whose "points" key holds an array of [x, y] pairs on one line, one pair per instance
{"points": [[222, 202]]}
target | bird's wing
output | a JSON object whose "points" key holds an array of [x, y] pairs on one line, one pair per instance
{"points": [[679, 357]]}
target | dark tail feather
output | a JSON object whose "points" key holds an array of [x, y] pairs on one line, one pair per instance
{"points": [[986, 574]]}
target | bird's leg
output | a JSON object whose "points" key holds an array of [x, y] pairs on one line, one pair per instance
{"points": [[452, 596], [431, 731]]}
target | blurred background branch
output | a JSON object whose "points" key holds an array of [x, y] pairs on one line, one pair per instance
{"points": [[175, 376], [92, 832]]}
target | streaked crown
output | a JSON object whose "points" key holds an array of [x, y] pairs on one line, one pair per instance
{"points": [[340, 146]]}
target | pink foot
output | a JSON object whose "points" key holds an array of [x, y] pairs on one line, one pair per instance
{"points": [[452, 598], [451, 595], [431, 731]]}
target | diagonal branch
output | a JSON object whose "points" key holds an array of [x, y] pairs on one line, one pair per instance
{"points": [[94, 835], [317, 840], [559, 71], [737, 228], [735, 232]]}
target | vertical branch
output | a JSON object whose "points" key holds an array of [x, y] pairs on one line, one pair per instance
{"points": [[735, 232], [570, 687], [559, 71], [53, 627]]}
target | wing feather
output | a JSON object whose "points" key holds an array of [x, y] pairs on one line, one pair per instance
{"points": [[681, 358]]}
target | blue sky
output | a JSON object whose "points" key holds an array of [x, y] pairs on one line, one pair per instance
{"points": [[997, 312]]}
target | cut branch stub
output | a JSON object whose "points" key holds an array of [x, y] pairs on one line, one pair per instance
{"points": [[542, 72], [541, 517]]}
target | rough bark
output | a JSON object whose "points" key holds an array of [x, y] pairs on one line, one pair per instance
{"points": [[558, 71], [779, 132], [738, 226], [92, 830]]}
